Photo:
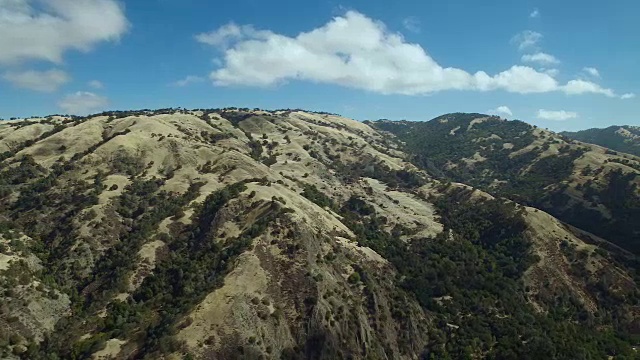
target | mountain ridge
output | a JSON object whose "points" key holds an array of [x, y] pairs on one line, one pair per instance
{"points": [[624, 138], [237, 233], [531, 166]]}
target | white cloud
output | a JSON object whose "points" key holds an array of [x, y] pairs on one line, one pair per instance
{"points": [[224, 35], [556, 115], [527, 39], [191, 79], [412, 24], [83, 103], [96, 84], [540, 58], [592, 71], [45, 81], [534, 14], [519, 79], [551, 72], [357, 52], [627, 96], [44, 30], [577, 87], [502, 110]]}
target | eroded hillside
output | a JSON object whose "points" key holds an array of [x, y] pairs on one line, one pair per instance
{"points": [[252, 234]]}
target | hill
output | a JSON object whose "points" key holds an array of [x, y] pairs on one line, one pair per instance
{"points": [[587, 186], [237, 233], [619, 138]]}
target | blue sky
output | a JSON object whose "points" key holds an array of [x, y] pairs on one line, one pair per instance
{"points": [[564, 65]]}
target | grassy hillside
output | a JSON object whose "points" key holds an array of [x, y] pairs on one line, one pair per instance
{"points": [[237, 233], [584, 185], [618, 138]]}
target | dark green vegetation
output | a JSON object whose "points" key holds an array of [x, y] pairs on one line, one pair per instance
{"points": [[469, 279], [620, 196], [50, 201], [610, 138], [451, 147], [196, 264], [123, 254]]}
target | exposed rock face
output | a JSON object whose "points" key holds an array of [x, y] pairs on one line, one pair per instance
{"points": [[252, 234]]}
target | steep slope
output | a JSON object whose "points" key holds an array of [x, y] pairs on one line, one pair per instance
{"points": [[619, 138], [584, 185], [251, 234]]}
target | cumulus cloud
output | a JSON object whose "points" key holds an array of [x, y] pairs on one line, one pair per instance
{"points": [[96, 84], [556, 115], [83, 103], [412, 24], [592, 71], [627, 96], [44, 81], [527, 39], [502, 110], [518, 79], [357, 52], [46, 31], [223, 35], [540, 58], [577, 87], [191, 79], [534, 14]]}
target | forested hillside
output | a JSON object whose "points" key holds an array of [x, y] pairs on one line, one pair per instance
{"points": [[618, 138], [250, 234], [587, 186]]}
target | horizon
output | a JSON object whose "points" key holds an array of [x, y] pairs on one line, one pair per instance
{"points": [[312, 111], [540, 62]]}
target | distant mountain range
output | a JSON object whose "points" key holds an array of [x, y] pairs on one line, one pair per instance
{"points": [[620, 138]]}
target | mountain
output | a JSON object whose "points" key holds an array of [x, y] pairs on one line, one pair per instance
{"points": [[587, 186], [619, 138], [237, 233]]}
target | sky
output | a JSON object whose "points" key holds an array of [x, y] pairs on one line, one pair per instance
{"points": [[562, 65]]}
